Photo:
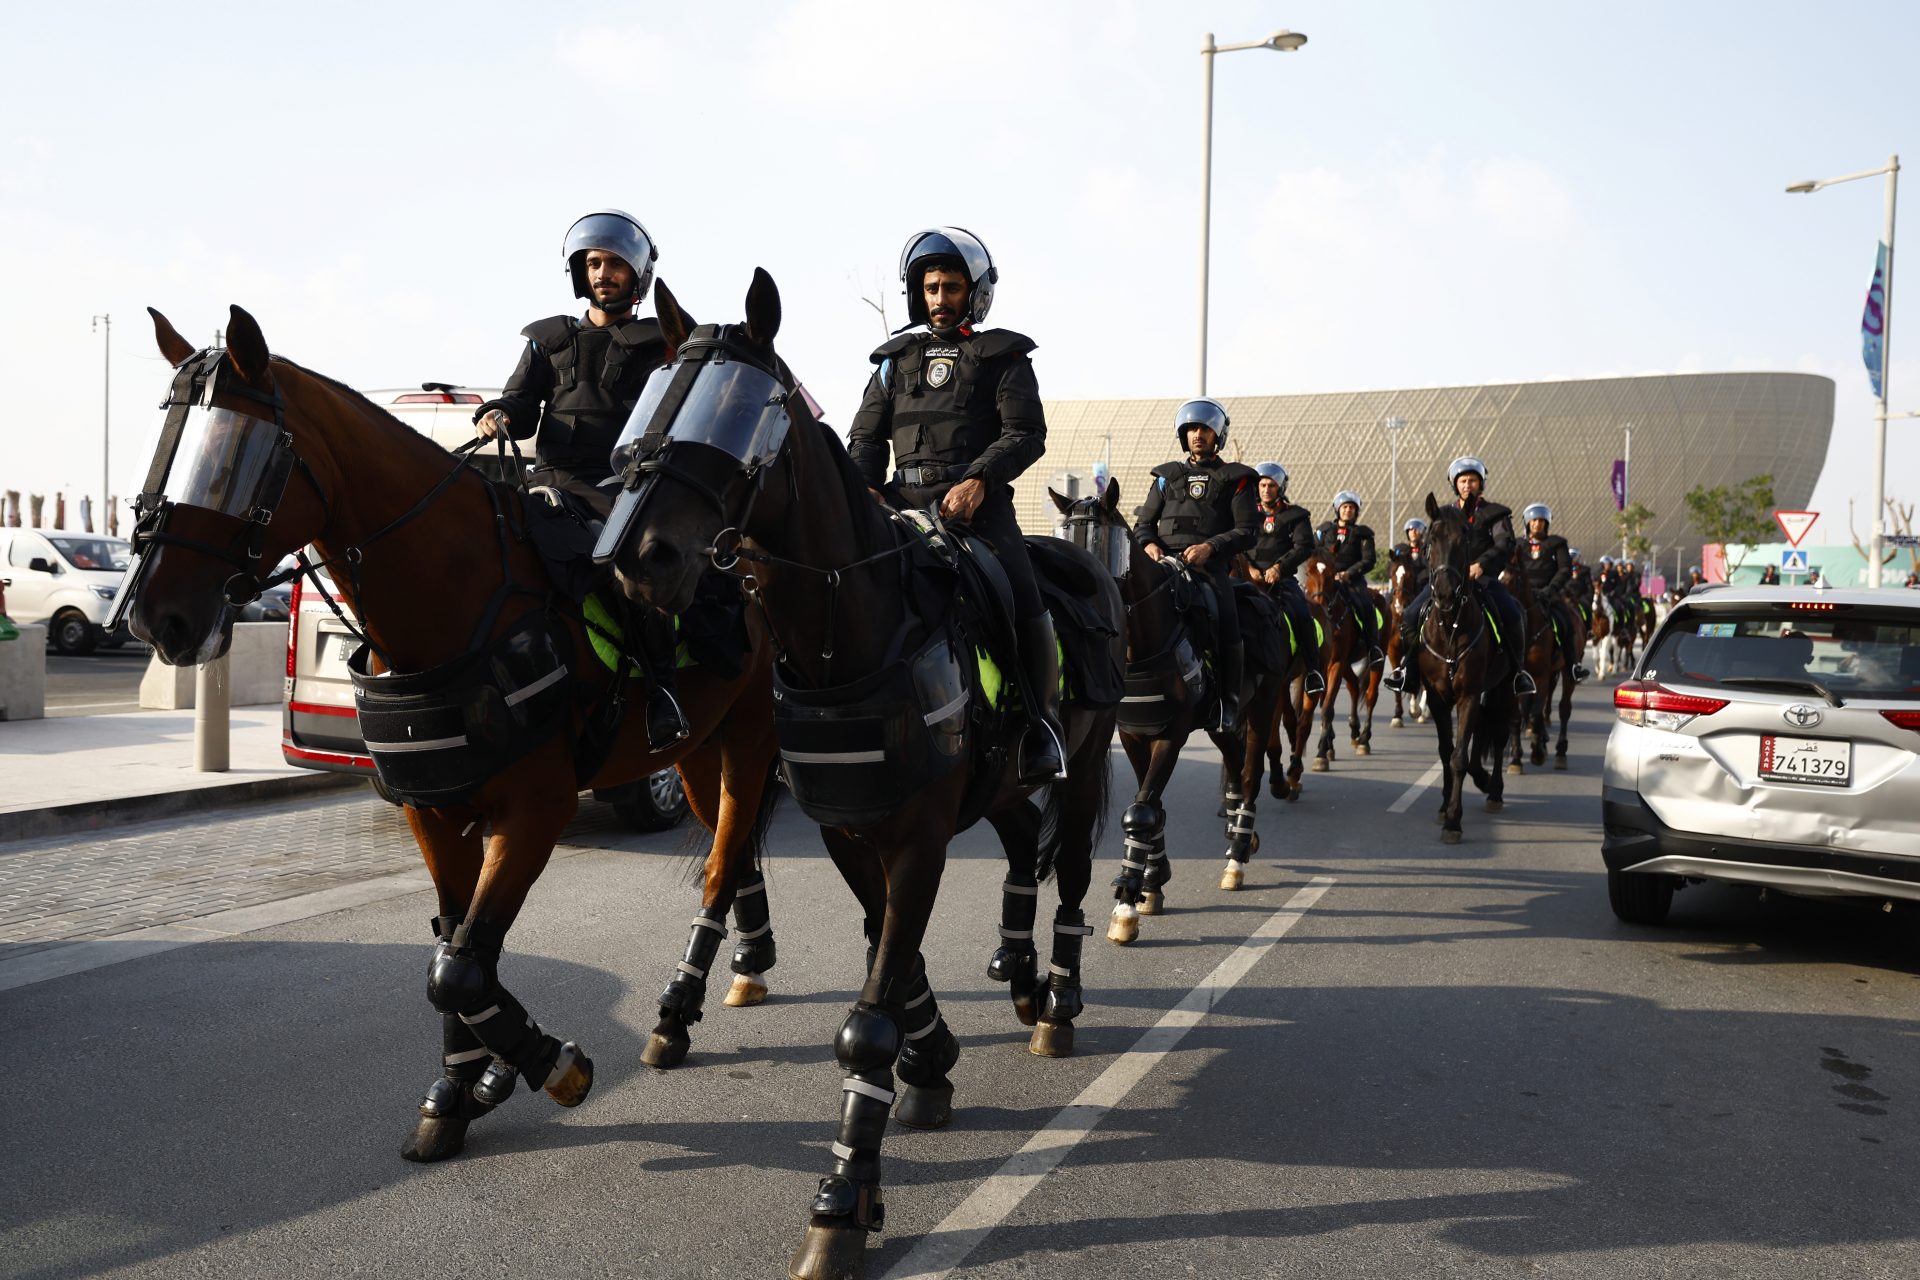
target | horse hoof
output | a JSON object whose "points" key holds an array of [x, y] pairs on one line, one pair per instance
{"points": [[1449, 837], [1362, 749], [830, 1253], [1152, 902], [1396, 723], [925, 1106], [747, 989], [665, 1051], [1232, 876], [1277, 787], [1514, 768], [1026, 1007], [1496, 806], [1124, 927], [1319, 764], [1051, 1040], [1293, 794], [436, 1138], [1256, 844], [1559, 762], [571, 1089]]}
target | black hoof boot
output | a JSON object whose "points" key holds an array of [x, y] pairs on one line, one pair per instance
{"points": [[925, 1106], [1019, 969], [926, 1094]]}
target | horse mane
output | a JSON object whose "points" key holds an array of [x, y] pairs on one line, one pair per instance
{"points": [[374, 411], [861, 509]]}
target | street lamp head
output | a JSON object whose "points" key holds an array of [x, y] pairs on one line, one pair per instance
{"points": [[1285, 41], [1803, 188]]}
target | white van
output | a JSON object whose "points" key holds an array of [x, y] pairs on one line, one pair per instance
{"points": [[65, 579]]}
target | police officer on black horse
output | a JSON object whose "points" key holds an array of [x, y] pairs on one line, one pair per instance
{"points": [[1204, 509], [958, 410], [1349, 544], [1489, 549], [1548, 563], [1284, 542], [576, 384], [1413, 552]]}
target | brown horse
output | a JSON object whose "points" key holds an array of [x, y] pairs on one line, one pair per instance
{"points": [[1285, 742], [1469, 688], [426, 555], [1346, 667], [1543, 660], [889, 734], [1403, 587]]}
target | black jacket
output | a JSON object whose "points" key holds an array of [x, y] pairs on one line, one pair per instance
{"points": [[967, 402], [1489, 535], [1548, 565], [1215, 501], [576, 383], [1284, 537], [1414, 558], [1350, 547]]}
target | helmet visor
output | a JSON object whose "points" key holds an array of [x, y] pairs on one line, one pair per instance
{"points": [[946, 242], [1201, 413], [613, 233]]}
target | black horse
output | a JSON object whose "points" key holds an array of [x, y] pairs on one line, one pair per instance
{"points": [[890, 733]]}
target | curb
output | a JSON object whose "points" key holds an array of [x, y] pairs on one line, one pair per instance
{"points": [[119, 811]]}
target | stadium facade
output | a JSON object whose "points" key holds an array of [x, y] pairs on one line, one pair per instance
{"points": [[1552, 442]]}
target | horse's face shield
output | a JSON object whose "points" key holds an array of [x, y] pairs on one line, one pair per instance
{"points": [[214, 458], [707, 421], [1108, 543]]}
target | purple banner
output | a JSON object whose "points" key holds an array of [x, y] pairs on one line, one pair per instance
{"points": [[1873, 322], [1619, 484]]}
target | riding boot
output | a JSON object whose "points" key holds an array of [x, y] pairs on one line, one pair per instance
{"points": [[1308, 635], [1043, 747], [1233, 660], [1576, 672], [1515, 644], [1398, 679]]}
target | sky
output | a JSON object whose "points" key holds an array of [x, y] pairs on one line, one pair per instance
{"points": [[1424, 195]]}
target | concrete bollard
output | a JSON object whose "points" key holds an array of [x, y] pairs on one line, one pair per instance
{"points": [[23, 674], [210, 716]]}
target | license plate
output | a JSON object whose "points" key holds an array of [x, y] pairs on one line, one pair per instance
{"points": [[1819, 761]]}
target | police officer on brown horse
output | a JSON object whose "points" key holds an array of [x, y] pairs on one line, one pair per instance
{"points": [[1548, 563], [1349, 545], [1283, 543], [958, 410], [1204, 510], [575, 385], [1413, 552]]}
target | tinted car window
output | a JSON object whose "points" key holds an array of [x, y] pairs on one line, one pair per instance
{"points": [[93, 553], [1859, 653]]}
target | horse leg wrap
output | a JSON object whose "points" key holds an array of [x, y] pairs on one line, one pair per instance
{"points": [[753, 945], [1144, 826], [1064, 1002], [463, 1059], [462, 980], [928, 1049], [688, 989], [868, 1042], [1239, 827], [1015, 960]]}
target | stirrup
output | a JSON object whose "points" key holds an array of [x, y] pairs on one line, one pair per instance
{"points": [[1523, 683], [1040, 772], [1316, 684], [1580, 672], [669, 719], [1396, 679]]}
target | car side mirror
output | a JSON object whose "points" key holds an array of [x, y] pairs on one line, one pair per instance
{"points": [[40, 564]]}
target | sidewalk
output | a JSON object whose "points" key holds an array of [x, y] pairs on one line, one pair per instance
{"points": [[84, 773]]}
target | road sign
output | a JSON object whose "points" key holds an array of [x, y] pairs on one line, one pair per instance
{"points": [[1795, 524], [1793, 562], [1902, 540]]}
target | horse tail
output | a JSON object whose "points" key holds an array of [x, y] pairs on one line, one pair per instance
{"points": [[763, 820], [1053, 812]]}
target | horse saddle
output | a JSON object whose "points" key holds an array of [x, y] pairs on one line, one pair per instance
{"points": [[1263, 630]]}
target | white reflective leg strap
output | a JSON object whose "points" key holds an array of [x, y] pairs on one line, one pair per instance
{"points": [[1137, 866], [1073, 930], [924, 1031], [471, 1055], [1015, 933], [692, 970], [758, 886], [1025, 890], [841, 1151], [762, 931], [475, 1019], [1059, 969], [708, 922], [1138, 844], [918, 1000], [873, 1091]]}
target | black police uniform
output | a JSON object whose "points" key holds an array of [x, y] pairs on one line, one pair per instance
{"points": [[1489, 545], [1548, 565], [576, 383], [1285, 540], [1350, 547], [1580, 592], [1414, 556], [966, 406], [1216, 502]]}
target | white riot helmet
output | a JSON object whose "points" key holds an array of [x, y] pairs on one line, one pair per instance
{"points": [[1269, 471], [1461, 465], [1537, 511], [1342, 498], [612, 231], [948, 246], [1204, 412], [1415, 525]]}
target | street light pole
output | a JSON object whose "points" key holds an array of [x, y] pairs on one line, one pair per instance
{"points": [[104, 325], [1877, 548], [1282, 41], [1394, 426]]}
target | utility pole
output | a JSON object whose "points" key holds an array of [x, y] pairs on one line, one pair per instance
{"points": [[103, 325]]}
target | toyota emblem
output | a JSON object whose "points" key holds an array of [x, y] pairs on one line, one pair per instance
{"points": [[1801, 716]]}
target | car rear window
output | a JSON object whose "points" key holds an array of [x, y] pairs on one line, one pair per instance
{"points": [[1850, 652]]}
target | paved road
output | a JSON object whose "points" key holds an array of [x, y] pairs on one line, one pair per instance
{"points": [[103, 681], [1439, 1061]]}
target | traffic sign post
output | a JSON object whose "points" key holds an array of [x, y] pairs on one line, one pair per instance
{"points": [[1795, 524]]}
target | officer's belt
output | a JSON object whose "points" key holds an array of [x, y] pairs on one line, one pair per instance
{"points": [[924, 475]]}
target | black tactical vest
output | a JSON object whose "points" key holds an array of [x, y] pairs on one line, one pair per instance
{"points": [[1276, 535], [1344, 545], [943, 389], [598, 373], [1541, 558], [1196, 501]]}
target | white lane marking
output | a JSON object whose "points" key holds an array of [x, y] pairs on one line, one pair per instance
{"points": [[1412, 793], [961, 1231]]}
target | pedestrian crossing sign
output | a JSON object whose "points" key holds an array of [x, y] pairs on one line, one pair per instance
{"points": [[1793, 562]]}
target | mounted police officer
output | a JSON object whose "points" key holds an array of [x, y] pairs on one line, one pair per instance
{"points": [[1580, 587], [575, 385], [1489, 549], [1204, 510], [1349, 544], [1548, 563], [1413, 552], [957, 409], [1284, 542]]}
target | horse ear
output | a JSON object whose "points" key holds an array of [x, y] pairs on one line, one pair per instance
{"points": [[675, 324], [763, 308], [1433, 508], [1111, 498], [1060, 504], [173, 347], [246, 345]]}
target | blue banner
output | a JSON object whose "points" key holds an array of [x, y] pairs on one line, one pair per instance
{"points": [[1873, 321]]}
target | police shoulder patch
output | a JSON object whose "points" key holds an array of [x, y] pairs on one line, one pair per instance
{"points": [[939, 371]]}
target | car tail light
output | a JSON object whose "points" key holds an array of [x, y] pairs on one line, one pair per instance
{"points": [[293, 627], [1903, 719], [1642, 702]]}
